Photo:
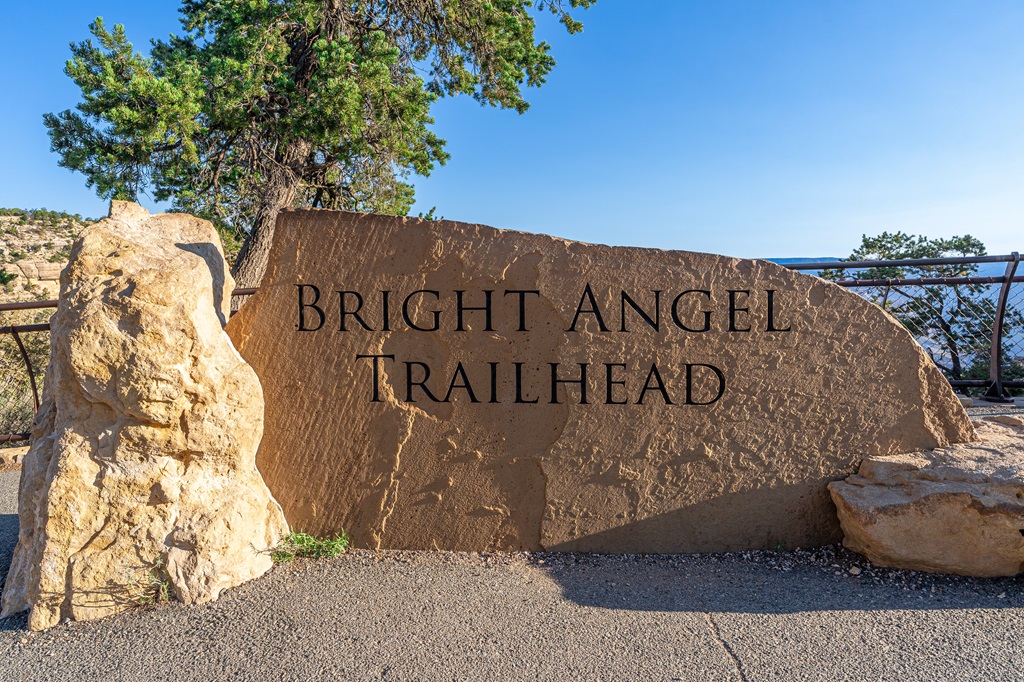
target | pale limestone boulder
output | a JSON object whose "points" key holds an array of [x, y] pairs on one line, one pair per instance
{"points": [[958, 509], [141, 476]]}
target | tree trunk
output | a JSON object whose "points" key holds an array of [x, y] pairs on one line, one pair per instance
{"points": [[956, 366], [278, 192], [252, 258]]}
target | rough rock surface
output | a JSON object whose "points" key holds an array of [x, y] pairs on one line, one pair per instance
{"points": [[141, 475], [958, 509], [800, 408]]}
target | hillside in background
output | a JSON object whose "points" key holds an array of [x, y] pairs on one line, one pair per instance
{"points": [[34, 247]]}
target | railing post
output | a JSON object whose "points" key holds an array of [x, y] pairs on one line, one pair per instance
{"points": [[996, 393], [28, 367]]}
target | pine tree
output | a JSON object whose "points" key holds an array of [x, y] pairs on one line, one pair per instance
{"points": [[264, 104]]}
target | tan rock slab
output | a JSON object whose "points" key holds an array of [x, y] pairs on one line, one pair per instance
{"points": [[28, 269], [42, 271], [141, 478], [958, 509], [49, 272], [11, 458], [722, 395]]}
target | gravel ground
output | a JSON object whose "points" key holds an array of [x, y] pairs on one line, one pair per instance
{"points": [[822, 614]]}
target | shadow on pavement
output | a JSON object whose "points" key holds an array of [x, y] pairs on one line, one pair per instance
{"points": [[742, 583], [8, 539], [755, 582], [736, 584]]}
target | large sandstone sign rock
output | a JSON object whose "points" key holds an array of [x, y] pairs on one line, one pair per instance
{"points": [[958, 509], [141, 476], [452, 386]]}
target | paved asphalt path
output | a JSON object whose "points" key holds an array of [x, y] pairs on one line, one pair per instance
{"points": [[442, 616]]}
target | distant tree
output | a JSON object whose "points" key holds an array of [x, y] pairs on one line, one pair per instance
{"points": [[265, 104], [42, 215], [954, 322]]}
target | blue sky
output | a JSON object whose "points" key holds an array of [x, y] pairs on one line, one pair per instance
{"points": [[740, 127]]}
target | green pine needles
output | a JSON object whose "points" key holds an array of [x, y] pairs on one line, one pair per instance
{"points": [[264, 104]]}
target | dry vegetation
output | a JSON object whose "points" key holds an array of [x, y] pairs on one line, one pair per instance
{"points": [[39, 237]]}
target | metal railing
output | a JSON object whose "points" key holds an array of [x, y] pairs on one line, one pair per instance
{"points": [[971, 326]]}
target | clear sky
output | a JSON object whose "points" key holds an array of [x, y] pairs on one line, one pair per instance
{"points": [[744, 127]]}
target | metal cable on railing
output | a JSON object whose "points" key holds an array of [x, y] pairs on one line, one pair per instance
{"points": [[24, 354], [971, 326]]}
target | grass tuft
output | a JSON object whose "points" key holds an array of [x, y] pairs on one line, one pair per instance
{"points": [[297, 544], [151, 586]]}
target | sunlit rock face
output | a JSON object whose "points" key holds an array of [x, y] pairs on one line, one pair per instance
{"points": [[958, 509], [452, 386], [141, 479]]}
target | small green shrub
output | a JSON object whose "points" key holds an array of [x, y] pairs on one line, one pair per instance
{"points": [[430, 215], [62, 255], [6, 277], [151, 586], [297, 544]]}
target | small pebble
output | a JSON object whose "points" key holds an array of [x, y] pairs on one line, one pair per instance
{"points": [[854, 570]]}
